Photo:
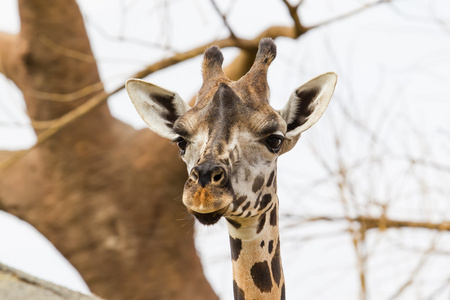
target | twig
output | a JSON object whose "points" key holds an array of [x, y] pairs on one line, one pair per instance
{"points": [[293, 11], [138, 42], [60, 123], [414, 273], [350, 13], [68, 97], [440, 289], [358, 243], [88, 58], [224, 19]]}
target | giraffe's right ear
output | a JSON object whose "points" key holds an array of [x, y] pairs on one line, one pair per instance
{"points": [[306, 105], [158, 107]]}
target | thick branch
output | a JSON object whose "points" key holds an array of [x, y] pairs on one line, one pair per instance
{"points": [[6, 42], [244, 44], [17, 285], [8, 56], [383, 223], [57, 57], [241, 64], [56, 125]]}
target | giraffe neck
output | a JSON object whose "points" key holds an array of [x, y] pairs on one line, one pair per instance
{"points": [[256, 260]]}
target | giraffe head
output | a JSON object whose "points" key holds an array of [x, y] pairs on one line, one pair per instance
{"points": [[231, 139]]}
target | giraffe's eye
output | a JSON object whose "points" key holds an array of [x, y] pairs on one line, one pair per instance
{"points": [[182, 144], [274, 142]]}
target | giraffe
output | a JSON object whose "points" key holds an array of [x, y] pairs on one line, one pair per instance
{"points": [[230, 141]]}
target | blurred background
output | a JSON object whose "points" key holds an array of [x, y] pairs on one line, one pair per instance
{"points": [[365, 194]]}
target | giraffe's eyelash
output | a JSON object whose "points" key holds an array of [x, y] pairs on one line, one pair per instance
{"points": [[274, 142], [175, 140], [182, 144]]}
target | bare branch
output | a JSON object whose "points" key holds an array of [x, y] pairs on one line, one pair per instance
{"points": [[67, 97], [293, 11], [224, 19], [134, 41], [417, 269], [439, 290], [245, 44], [350, 13], [5, 154], [381, 223], [358, 244], [60, 123], [241, 64], [71, 53]]}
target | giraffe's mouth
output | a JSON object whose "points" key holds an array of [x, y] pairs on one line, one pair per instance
{"points": [[207, 203], [209, 218]]}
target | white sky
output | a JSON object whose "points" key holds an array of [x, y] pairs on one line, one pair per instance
{"points": [[392, 63]]}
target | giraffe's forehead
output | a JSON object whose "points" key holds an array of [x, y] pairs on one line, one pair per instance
{"points": [[230, 110]]}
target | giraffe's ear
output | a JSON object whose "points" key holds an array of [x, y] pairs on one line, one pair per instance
{"points": [[158, 107], [306, 105]]}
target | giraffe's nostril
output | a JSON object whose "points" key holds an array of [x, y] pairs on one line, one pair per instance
{"points": [[194, 175], [218, 176], [209, 174]]}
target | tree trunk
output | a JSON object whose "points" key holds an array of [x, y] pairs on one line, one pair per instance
{"points": [[107, 196]]}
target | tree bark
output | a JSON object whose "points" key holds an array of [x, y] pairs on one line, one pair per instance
{"points": [[106, 195], [17, 285]]}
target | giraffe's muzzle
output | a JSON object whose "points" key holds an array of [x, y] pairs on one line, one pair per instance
{"points": [[208, 192]]}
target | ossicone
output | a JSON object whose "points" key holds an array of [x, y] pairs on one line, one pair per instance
{"points": [[256, 77], [213, 56], [212, 63], [267, 51]]}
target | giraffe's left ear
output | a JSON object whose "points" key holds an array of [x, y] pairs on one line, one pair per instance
{"points": [[158, 107], [306, 105]]}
